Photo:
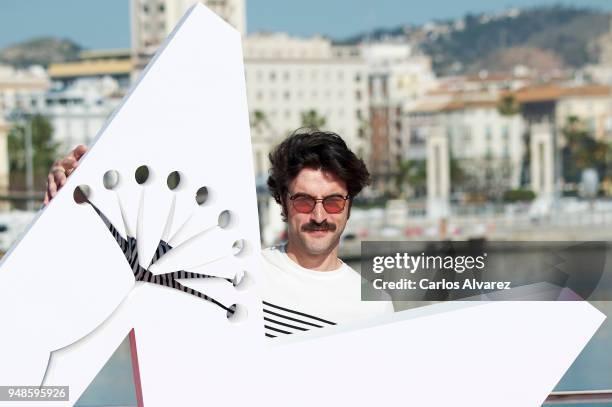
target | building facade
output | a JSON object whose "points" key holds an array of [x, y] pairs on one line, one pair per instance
{"points": [[22, 88], [486, 146], [288, 78], [397, 80], [77, 112], [117, 64], [153, 20]]}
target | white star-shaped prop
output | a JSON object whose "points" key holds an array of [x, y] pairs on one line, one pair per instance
{"points": [[180, 266]]}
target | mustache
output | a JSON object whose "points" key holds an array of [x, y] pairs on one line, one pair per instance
{"points": [[313, 226]]}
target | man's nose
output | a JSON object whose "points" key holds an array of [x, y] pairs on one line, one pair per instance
{"points": [[318, 213]]}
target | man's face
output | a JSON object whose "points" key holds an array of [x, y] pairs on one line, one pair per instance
{"points": [[317, 232]]}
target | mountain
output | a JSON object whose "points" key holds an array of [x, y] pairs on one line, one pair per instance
{"points": [[567, 35], [543, 37], [40, 51]]}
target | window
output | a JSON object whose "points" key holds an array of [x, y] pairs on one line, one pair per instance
{"points": [[162, 7], [358, 113], [467, 135], [287, 95], [505, 132], [506, 149], [272, 76], [357, 78], [358, 95]]}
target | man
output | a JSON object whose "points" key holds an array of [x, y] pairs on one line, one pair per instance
{"points": [[314, 178]]}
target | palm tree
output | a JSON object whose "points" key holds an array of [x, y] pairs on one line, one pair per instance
{"points": [[508, 105], [312, 120], [259, 119]]}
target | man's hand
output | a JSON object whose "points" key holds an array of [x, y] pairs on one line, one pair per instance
{"points": [[61, 170]]}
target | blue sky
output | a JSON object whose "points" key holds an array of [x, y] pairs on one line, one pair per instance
{"points": [[105, 23]]}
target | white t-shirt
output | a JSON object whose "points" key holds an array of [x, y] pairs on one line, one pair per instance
{"points": [[297, 299]]}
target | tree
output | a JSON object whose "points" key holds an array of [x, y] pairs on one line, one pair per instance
{"points": [[508, 105], [412, 173], [44, 151], [582, 151], [259, 119], [312, 120]]}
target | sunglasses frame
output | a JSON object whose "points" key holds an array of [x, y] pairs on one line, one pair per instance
{"points": [[293, 197]]}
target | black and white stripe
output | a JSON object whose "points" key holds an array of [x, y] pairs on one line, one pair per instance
{"points": [[130, 250], [285, 321]]}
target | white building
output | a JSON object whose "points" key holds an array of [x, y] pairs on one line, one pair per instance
{"points": [[488, 146], [153, 20], [22, 88], [287, 77], [592, 104], [79, 111], [398, 79]]}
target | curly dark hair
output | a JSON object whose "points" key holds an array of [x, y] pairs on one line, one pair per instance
{"points": [[309, 148]]}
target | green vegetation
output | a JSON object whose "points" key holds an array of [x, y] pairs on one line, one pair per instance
{"points": [[567, 35], [519, 195], [44, 151], [412, 173], [312, 119], [508, 105], [582, 151]]}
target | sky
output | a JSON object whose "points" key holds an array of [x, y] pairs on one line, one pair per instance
{"points": [[102, 24]]}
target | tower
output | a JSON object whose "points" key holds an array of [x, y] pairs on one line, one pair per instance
{"points": [[153, 20]]}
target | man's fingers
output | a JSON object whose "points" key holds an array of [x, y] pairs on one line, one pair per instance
{"points": [[50, 182], [59, 178], [60, 171], [68, 163], [52, 190], [79, 151]]}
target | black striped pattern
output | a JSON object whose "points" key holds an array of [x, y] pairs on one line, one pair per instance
{"points": [[130, 251], [284, 321], [277, 320]]}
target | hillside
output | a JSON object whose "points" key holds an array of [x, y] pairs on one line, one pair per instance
{"points": [[40, 51], [544, 37], [566, 35]]}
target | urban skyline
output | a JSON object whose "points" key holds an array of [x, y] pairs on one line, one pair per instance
{"points": [[87, 22]]}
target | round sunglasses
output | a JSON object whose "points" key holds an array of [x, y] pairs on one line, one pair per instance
{"points": [[304, 203]]}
